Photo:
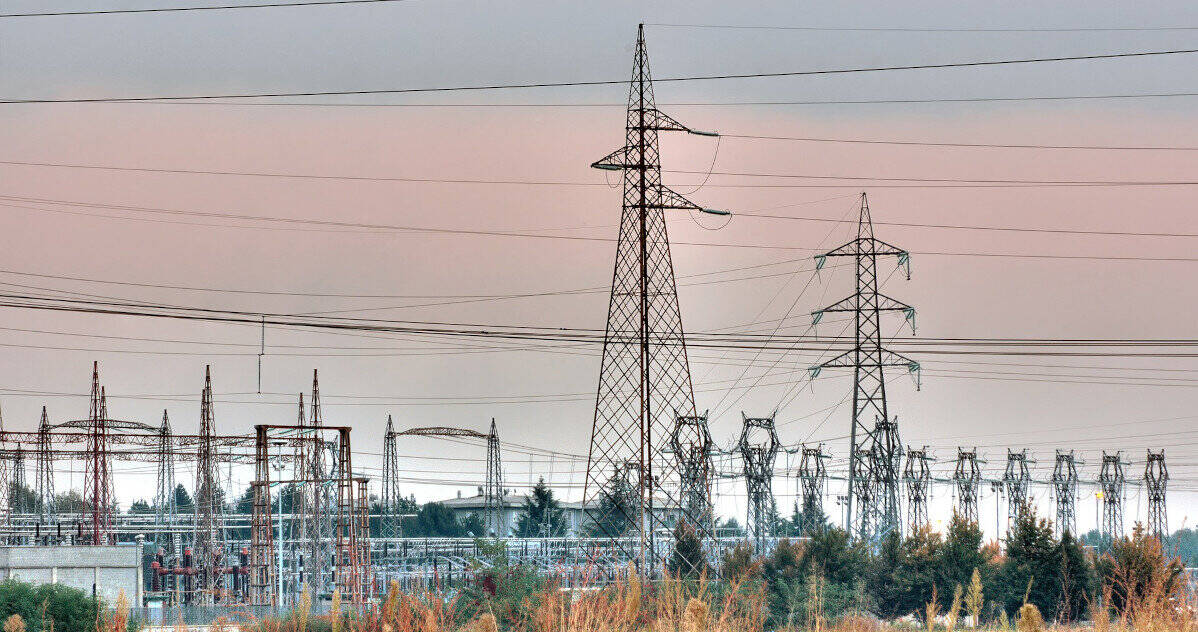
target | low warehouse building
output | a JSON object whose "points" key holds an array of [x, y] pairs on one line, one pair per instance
{"points": [[104, 571]]}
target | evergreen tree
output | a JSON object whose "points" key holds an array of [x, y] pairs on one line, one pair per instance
{"points": [[542, 516], [183, 499], [613, 516], [688, 559], [140, 507], [436, 520], [961, 555], [1055, 575]]}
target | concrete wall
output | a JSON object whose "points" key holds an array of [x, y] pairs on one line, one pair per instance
{"points": [[110, 569]]}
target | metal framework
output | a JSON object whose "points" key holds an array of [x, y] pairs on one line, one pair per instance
{"points": [[967, 476], [209, 533], [813, 477], [1156, 482], [44, 471], [875, 454], [918, 477], [390, 520], [493, 490], [97, 478], [1111, 480], [692, 446], [1064, 487], [644, 378], [1016, 480], [166, 507], [758, 446]]}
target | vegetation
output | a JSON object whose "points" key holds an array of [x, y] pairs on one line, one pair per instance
{"points": [[48, 607], [542, 516]]}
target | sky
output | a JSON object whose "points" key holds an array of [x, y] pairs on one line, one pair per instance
{"points": [[85, 223]]}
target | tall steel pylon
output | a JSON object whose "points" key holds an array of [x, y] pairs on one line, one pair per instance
{"points": [[1016, 480], [97, 479], [1156, 482], [875, 454], [644, 379], [966, 478], [1064, 487], [166, 508], [758, 446], [918, 477], [692, 446], [1111, 479], [20, 488], [813, 479], [390, 522], [209, 532], [318, 510], [493, 491], [44, 471]]}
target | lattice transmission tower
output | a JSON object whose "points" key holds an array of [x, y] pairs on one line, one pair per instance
{"points": [[644, 380], [813, 478], [166, 508], [20, 489], [209, 531], [493, 491], [758, 446], [1064, 487], [693, 447], [1111, 479], [97, 478], [1156, 482], [390, 523], [967, 476], [918, 477], [44, 471], [875, 454], [316, 521], [1016, 480]]}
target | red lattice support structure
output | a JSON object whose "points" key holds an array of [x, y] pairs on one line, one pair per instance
{"points": [[345, 554], [97, 480], [362, 540]]}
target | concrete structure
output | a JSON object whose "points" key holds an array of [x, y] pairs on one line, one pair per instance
{"points": [[101, 570]]}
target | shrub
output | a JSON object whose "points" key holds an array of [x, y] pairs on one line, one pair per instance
{"points": [[66, 609]]}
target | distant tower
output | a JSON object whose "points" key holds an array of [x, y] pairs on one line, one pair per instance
{"points": [[166, 509], [97, 479], [209, 532], [875, 453], [644, 379], [692, 446], [391, 499], [1111, 479], [45, 471], [20, 487], [966, 477], [918, 477], [1016, 479], [1064, 485], [493, 491], [813, 476], [1156, 480], [759, 450]]}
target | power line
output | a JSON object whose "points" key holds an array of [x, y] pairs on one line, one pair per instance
{"points": [[219, 7], [804, 176], [606, 82], [1099, 29], [1150, 95], [864, 141]]}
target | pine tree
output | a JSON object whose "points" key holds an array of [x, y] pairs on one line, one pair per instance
{"points": [[542, 515], [688, 559]]}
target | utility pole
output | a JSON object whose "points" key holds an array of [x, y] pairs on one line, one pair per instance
{"points": [[1064, 485], [966, 478], [1156, 482], [759, 451], [644, 380], [1111, 480], [875, 453], [918, 477]]}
